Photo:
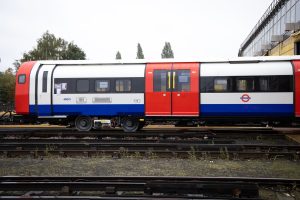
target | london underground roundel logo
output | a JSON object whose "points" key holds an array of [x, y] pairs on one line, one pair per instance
{"points": [[245, 98]]}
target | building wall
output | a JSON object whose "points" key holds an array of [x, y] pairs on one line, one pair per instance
{"points": [[273, 24], [287, 47]]}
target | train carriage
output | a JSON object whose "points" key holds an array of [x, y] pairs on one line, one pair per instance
{"points": [[260, 90]]}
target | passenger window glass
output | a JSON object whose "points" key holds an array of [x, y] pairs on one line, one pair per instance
{"points": [[220, 84], [82, 86], [123, 85], [21, 78], [64, 86], [160, 80], [183, 80], [102, 85], [245, 84], [263, 84]]}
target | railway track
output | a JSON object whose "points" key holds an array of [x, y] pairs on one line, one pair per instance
{"points": [[164, 148], [224, 143], [143, 187], [181, 133]]}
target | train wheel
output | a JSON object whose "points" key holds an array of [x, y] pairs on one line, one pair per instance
{"points": [[83, 123], [130, 125]]}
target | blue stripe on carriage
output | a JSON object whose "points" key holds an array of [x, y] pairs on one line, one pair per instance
{"points": [[246, 109], [90, 109]]}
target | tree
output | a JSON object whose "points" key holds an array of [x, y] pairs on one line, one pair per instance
{"points": [[7, 87], [16, 65], [51, 48], [167, 51], [73, 52], [139, 54], [118, 56]]}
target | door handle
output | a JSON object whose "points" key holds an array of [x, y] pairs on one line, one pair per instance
{"points": [[169, 80], [178, 95], [164, 94], [174, 74]]}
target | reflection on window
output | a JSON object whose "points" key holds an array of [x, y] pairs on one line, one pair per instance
{"points": [[183, 81], [220, 85], [245, 84], [123, 85], [263, 84], [102, 85], [83, 86], [60, 87], [160, 80]]}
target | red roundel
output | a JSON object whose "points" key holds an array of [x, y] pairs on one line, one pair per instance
{"points": [[245, 98]]}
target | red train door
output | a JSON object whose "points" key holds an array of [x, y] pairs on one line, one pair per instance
{"points": [[172, 89], [297, 87], [185, 89], [158, 89]]}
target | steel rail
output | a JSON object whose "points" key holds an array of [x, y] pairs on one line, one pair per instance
{"points": [[139, 187], [181, 148], [181, 133]]}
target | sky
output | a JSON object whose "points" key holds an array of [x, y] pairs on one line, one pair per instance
{"points": [[196, 29]]}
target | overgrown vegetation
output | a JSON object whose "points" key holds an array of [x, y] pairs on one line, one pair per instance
{"points": [[151, 166]]}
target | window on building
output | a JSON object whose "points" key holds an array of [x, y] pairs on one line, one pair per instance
{"points": [[82, 86], [298, 11], [102, 85], [21, 78], [297, 48], [123, 85]]}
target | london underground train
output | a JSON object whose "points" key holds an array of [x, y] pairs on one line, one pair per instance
{"points": [[129, 94]]}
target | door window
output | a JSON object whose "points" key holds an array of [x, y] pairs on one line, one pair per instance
{"points": [[45, 75], [183, 80], [161, 80]]}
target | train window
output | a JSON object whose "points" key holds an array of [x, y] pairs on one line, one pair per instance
{"points": [[123, 85], [220, 84], [83, 86], [183, 80], [64, 86], [102, 85], [280, 83], [45, 76], [263, 84], [245, 84], [21, 78], [160, 80], [207, 84]]}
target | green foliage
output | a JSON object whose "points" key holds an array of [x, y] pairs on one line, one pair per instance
{"points": [[139, 54], [118, 56], [7, 87], [51, 48], [16, 65], [73, 52], [167, 51]]}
